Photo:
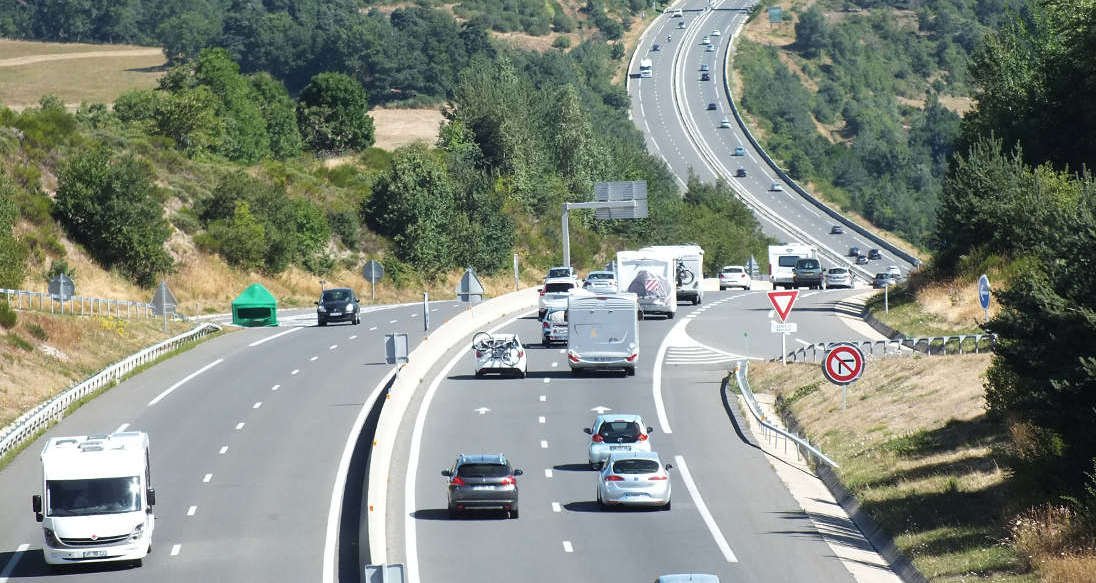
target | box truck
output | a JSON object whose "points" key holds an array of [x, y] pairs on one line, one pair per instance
{"points": [[96, 499], [688, 269], [602, 332], [649, 275]]}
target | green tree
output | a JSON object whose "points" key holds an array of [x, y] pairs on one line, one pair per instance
{"points": [[243, 137], [333, 114], [13, 252], [279, 112], [241, 240], [811, 32]]}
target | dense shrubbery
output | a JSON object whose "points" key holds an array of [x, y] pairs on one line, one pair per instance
{"points": [[12, 251]]}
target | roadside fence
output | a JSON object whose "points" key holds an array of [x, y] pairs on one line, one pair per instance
{"points": [[77, 305], [28, 425], [925, 345]]}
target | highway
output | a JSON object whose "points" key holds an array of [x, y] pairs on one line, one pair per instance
{"points": [[732, 516], [671, 109], [247, 432]]}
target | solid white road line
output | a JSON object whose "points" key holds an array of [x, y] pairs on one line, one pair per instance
{"points": [[547, 472], [656, 380], [334, 510], [191, 511], [257, 405], [567, 547], [168, 391], [410, 533], [269, 338], [556, 507], [175, 550], [240, 425], [12, 562], [207, 478], [122, 428], [702, 508]]}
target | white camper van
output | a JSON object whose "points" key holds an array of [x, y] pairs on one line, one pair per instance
{"points": [[649, 275], [602, 333], [688, 270], [97, 498], [782, 260]]}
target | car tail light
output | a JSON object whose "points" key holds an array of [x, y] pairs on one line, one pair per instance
{"points": [[642, 437], [573, 357], [521, 353], [632, 358], [659, 477], [542, 292], [508, 481], [614, 478], [479, 354], [456, 481], [597, 438], [546, 325]]}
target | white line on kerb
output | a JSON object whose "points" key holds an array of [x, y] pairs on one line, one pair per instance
{"points": [[240, 425], [191, 511], [122, 428], [168, 391], [207, 478], [702, 508], [175, 550], [556, 507], [567, 548], [12, 562], [269, 338]]}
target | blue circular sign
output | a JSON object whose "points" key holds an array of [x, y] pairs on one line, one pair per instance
{"points": [[983, 291]]}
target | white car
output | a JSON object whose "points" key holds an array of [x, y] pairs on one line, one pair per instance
{"points": [[616, 433], [838, 277], [716, 32], [634, 479], [893, 270], [554, 327], [553, 295], [600, 282], [706, 41], [776, 187], [499, 353], [734, 276]]}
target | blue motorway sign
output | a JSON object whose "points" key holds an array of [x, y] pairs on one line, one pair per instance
{"points": [[983, 291]]}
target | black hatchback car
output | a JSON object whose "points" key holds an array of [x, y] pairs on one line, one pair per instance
{"points": [[482, 482], [338, 304], [874, 254]]}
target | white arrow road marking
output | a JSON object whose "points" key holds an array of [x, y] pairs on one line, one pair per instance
{"points": [[191, 511], [601, 409], [207, 478], [567, 548], [547, 472], [175, 550], [257, 405], [13, 562], [556, 507], [168, 391], [240, 425], [702, 508], [223, 450], [275, 387], [481, 410]]}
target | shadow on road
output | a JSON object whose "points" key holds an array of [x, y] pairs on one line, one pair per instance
{"points": [[573, 468]]}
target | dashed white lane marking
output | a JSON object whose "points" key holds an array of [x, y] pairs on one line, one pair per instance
{"points": [[191, 511], [393, 321], [547, 380], [540, 419], [544, 398], [168, 391], [257, 405], [15, 558], [433, 309], [175, 550], [223, 450], [556, 507], [702, 508], [269, 338], [355, 336], [207, 478], [373, 328], [295, 371], [313, 359], [547, 472], [122, 428], [563, 351], [240, 425], [333, 347], [555, 364], [567, 547], [543, 444], [275, 387], [414, 315]]}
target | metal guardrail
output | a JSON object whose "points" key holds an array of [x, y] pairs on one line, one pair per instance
{"points": [[28, 424], [79, 305], [926, 345], [741, 373]]}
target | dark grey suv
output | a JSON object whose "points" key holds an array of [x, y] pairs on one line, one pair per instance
{"points": [[338, 304], [807, 272], [482, 482]]}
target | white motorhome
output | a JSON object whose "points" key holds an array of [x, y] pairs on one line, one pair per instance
{"points": [[782, 260], [97, 498], [688, 270], [602, 332], [649, 275], [646, 69]]}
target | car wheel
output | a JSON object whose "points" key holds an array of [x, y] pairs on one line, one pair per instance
{"points": [[721, 288], [540, 314], [514, 512], [600, 502], [595, 466], [357, 320], [323, 322], [453, 513], [521, 374], [670, 316], [575, 372], [666, 506], [479, 373], [136, 564], [632, 371], [546, 342]]}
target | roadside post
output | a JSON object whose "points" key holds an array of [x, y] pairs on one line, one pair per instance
{"points": [[395, 348], [782, 302], [843, 365], [886, 297], [516, 282], [984, 295], [373, 271], [425, 311]]}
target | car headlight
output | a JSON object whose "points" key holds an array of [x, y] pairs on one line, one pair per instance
{"points": [[351, 307], [137, 532], [320, 308], [51, 539]]}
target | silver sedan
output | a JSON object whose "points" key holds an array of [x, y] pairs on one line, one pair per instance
{"points": [[634, 479]]}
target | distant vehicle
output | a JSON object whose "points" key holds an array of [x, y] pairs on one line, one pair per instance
{"points": [[724, 123], [716, 32], [646, 68], [740, 173], [681, 24], [554, 292], [807, 273], [782, 260], [874, 254], [338, 304], [656, 48], [600, 282], [838, 277], [734, 276], [678, 13], [854, 251], [556, 272], [712, 106], [861, 259], [649, 275], [837, 230], [893, 270], [482, 482], [688, 270], [704, 67], [739, 151], [634, 479], [97, 498], [883, 280], [616, 433], [706, 41], [553, 327], [776, 187], [499, 353], [688, 578], [705, 76], [602, 332], [710, 49]]}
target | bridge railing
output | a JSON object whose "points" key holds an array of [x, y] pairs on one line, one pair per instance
{"points": [[30, 423], [923, 345]]}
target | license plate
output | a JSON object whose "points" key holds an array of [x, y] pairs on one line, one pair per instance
{"points": [[483, 487], [619, 447], [336, 313], [94, 554]]}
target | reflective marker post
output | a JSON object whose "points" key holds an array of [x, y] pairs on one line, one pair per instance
{"points": [[425, 312]]}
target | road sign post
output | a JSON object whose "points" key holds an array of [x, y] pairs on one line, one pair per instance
{"points": [[843, 365], [782, 302], [984, 295], [396, 348], [372, 271], [470, 289]]}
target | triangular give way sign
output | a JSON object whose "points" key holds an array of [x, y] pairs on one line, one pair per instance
{"points": [[782, 302]]}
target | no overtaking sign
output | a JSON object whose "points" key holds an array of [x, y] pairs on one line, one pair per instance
{"points": [[843, 364]]}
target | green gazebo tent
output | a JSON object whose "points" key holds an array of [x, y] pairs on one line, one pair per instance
{"points": [[255, 307]]}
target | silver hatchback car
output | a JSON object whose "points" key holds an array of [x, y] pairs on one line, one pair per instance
{"points": [[634, 479], [616, 433]]}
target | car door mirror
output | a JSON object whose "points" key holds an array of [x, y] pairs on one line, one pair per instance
{"points": [[669, 466], [151, 495], [317, 302], [519, 472], [36, 503], [587, 431], [447, 473], [650, 430]]}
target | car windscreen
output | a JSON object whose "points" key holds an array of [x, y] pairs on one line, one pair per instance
{"points": [[628, 431], [788, 260], [483, 470], [635, 466], [556, 317], [807, 264], [559, 273], [93, 496], [336, 295], [558, 287]]}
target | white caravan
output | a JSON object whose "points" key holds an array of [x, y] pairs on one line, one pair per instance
{"points": [[782, 260], [688, 270], [649, 275], [97, 498], [646, 69], [602, 333]]}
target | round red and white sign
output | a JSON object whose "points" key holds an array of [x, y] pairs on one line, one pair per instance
{"points": [[844, 363]]}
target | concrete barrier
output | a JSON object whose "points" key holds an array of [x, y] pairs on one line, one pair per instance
{"points": [[408, 382]]}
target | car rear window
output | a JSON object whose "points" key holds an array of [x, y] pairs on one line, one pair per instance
{"points": [[838, 271], [635, 466], [558, 287], [732, 270], [600, 276], [788, 260], [559, 273], [807, 264], [336, 295], [614, 430], [483, 470]]}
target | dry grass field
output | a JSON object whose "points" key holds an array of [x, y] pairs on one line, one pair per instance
{"points": [[400, 127]]}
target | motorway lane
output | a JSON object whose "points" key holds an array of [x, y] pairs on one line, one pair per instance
{"points": [[243, 455], [561, 534]]}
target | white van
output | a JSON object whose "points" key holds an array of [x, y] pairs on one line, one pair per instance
{"points": [[782, 260], [97, 498], [688, 270], [602, 333]]}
